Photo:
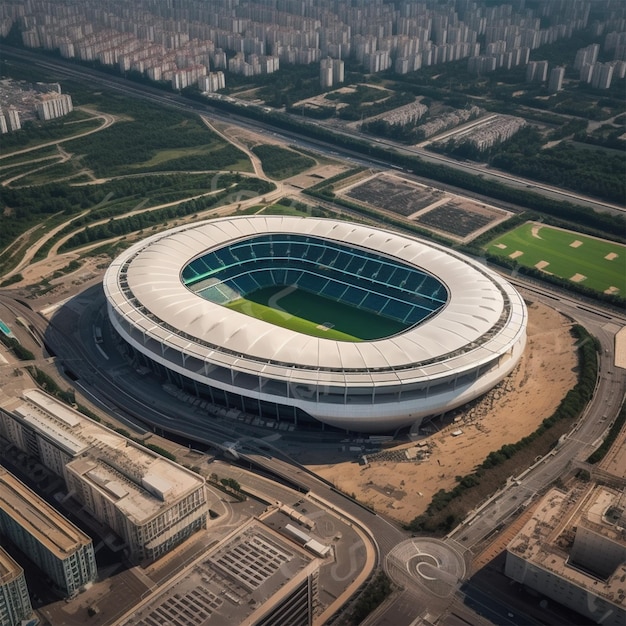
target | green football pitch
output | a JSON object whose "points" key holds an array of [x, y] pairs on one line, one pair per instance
{"points": [[312, 314], [595, 263]]}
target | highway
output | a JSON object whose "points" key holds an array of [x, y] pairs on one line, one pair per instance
{"points": [[129, 88], [484, 171]]}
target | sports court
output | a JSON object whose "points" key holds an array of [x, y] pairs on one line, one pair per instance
{"points": [[596, 263], [316, 287]]}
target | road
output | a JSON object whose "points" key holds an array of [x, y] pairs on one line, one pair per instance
{"points": [[486, 172], [579, 443], [108, 381], [130, 88], [116, 388]]}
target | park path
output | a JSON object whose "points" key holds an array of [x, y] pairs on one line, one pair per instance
{"points": [[254, 159], [107, 120], [36, 246], [54, 258]]}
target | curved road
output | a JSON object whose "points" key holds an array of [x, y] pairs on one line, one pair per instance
{"points": [[104, 377], [170, 99]]}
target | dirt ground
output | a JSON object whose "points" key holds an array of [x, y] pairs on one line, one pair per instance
{"points": [[315, 175], [403, 489]]}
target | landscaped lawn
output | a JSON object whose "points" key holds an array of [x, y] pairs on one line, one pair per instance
{"points": [[595, 263]]}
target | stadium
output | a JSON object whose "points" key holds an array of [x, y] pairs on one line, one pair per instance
{"points": [[305, 320]]}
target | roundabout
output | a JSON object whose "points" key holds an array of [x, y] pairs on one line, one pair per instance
{"points": [[431, 563]]}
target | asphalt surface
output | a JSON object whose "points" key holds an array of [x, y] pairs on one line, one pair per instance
{"points": [[112, 385], [140, 402]]}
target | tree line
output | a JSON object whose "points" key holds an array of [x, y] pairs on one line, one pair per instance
{"points": [[440, 518], [26, 206], [612, 226], [140, 221], [565, 165]]}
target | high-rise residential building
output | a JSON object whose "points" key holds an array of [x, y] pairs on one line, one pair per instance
{"points": [[12, 117], [331, 72], [555, 83], [152, 503], [531, 71], [212, 82], [619, 69], [54, 105], [586, 56], [60, 550], [602, 75], [542, 71], [326, 73], [377, 61], [373, 33], [15, 607], [482, 64], [587, 71], [401, 65]]}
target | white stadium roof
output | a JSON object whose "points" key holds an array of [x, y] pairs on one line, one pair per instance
{"points": [[484, 315]]}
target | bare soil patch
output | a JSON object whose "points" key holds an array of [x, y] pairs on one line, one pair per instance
{"points": [[403, 489], [457, 217], [316, 175], [392, 193]]}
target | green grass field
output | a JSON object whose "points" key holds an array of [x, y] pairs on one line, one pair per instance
{"points": [[595, 263], [206, 151], [280, 163], [307, 313]]}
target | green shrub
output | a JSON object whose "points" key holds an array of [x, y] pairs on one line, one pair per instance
{"points": [[572, 405], [372, 596], [22, 353]]}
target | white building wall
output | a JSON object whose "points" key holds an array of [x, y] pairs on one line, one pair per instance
{"points": [[12, 430], [564, 591], [13, 119]]}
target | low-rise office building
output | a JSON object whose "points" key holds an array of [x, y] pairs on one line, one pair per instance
{"points": [[257, 576], [15, 604], [151, 502], [52, 542], [573, 550]]}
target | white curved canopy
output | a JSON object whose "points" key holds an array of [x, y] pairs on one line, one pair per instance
{"points": [[480, 303]]}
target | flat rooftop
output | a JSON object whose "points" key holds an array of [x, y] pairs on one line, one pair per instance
{"points": [[547, 539], [9, 569], [139, 482], [235, 583], [38, 518]]}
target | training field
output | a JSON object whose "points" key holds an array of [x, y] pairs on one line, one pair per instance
{"points": [[315, 315], [595, 263]]}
